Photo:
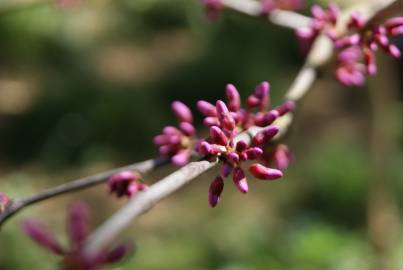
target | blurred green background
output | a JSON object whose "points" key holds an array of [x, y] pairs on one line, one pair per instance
{"points": [[85, 88]]}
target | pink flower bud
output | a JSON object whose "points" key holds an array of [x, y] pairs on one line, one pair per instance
{"points": [[182, 112], [265, 135], [252, 101], [282, 156], [264, 173], [234, 99], [254, 153], [393, 51], [181, 158], [233, 158], [394, 22], [241, 145], [211, 121], [396, 31], [286, 107], [187, 128], [226, 169], [170, 130], [240, 180], [215, 190], [206, 108], [218, 136], [42, 236], [119, 183]]}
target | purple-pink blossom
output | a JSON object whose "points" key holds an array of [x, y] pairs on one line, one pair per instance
{"points": [[177, 142], [228, 119], [125, 183], [356, 46], [74, 257]]}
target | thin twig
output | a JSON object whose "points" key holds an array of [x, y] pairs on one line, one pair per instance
{"points": [[86, 182]]}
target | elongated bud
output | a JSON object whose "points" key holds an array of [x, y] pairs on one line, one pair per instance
{"points": [[42, 236], [240, 180], [234, 99], [264, 173], [182, 112], [233, 158], [211, 121], [262, 92], [282, 157], [215, 190], [224, 116], [369, 59], [187, 128], [286, 107], [241, 145], [218, 136], [206, 108], [397, 21], [265, 135], [226, 169], [181, 158], [254, 153], [170, 130]]}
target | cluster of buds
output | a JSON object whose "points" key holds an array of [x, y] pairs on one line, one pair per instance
{"points": [[357, 45], [126, 183], [74, 257], [358, 48], [177, 143], [256, 113], [228, 120], [323, 21], [268, 6]]}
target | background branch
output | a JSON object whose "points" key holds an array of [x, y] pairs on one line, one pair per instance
{"points": [[279, 17]]}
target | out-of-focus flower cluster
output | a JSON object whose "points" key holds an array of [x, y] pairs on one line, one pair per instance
{"points": [[225, 121], [126, 183], [177, 142], [74, 257], [356, 45]]}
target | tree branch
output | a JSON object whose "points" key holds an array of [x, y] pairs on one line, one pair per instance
{"points": [[76, 185], [279, 17]]}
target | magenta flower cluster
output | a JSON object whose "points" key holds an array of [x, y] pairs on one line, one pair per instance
{"points": [[74, 257], [225, 121], [357, 46], [126, 183]]}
